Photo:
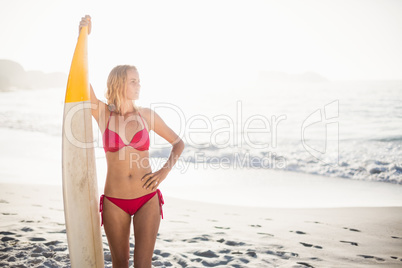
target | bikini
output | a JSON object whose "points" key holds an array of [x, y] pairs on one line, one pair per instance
{"points": [[113, 143]]}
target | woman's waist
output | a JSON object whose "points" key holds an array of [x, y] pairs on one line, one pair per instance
{"points": [[126, 187]]}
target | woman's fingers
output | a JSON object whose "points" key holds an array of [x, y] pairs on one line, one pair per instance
{"points": [[86, 21], [155, 185], [152, 180], [88, 18], [146, 176], [152, 183], [148, 180], [148, 183]]}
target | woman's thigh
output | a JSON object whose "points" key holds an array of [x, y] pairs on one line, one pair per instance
{"points": [[146, 225], [117, 224]]}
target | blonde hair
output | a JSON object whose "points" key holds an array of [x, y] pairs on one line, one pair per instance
{"points": [[116, 87]]}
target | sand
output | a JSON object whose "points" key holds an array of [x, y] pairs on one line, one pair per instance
{"points": [[196, 234], [362, 229]]}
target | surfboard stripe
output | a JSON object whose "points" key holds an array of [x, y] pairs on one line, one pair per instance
{"points": [[78, 82]]}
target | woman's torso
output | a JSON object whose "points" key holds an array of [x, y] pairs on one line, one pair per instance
{"points": [[126, 140]]}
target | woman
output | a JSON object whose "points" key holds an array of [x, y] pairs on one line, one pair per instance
{"points": [[131, 186]]}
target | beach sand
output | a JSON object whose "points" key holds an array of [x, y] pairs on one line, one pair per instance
{"points": [[196, 234], [271, 218]]}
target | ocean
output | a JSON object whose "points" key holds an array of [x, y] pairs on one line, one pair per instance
{"points": [[345, 129]]}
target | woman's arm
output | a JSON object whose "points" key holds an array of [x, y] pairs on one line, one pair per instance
{"points": [[160, 128], [98, 107]]}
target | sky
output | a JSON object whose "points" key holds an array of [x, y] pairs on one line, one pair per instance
{"points": [[209, 43]]}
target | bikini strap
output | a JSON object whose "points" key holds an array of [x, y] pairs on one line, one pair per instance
{"points": [[142, 120], [107, 126]]}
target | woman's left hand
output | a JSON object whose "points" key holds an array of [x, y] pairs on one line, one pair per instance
{"points": [[154, 179]]}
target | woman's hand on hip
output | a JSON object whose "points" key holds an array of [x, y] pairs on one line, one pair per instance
{"points": [[152, 180], [86, 21]]}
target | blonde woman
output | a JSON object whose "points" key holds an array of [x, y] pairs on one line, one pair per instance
{"points": [[131, 187]]}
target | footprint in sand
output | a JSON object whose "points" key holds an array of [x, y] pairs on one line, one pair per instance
{"points": [[165, 254], [305, 264], [53, 243], [37, 239], [306, 245], [220, 227], [198, 238], [282, 254], [214, 263], [207, 254], [316, 222], [315, 259], [350, 242], [7, 238], [252, 254], [371, 257], [297, 232], [62, 232], [233, 243], [310, 245], [352, 229], [265, 234], [7, 233]]}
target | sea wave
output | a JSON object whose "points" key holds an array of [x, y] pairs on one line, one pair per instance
{"points": [[346, 165]]}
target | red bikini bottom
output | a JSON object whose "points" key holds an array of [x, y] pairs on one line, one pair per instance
{"points": [[131, 206]]}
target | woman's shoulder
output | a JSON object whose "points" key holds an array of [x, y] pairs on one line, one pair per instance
{"points": [[145, 111]]}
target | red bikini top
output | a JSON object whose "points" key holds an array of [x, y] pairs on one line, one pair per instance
{"points": [[112, 141]]}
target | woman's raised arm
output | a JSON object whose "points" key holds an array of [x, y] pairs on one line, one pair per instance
{"points": [[98, 107]]}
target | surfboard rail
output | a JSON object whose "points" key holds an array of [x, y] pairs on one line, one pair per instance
{"points": [[80, 187]]}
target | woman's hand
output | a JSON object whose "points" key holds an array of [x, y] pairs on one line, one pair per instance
{"points": [[85, 21], [152, 180]]}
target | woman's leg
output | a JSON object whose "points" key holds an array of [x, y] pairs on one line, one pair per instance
{"points": [[117, 223], [146, 225]]}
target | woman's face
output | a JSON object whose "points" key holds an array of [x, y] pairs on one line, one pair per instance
{"points": [[133, 85]]}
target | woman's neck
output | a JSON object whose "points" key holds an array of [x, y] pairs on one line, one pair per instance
{"points": [[127, 107]]}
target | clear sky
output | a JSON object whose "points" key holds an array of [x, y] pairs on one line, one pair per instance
{"points": [[209, 42]]}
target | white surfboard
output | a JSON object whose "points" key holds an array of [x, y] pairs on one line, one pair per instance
{"points": [[80, 187]]}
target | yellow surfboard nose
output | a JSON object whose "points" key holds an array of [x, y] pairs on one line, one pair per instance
{"points": [[78, 82]]}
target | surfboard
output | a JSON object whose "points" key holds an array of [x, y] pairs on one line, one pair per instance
{"points": [[80, 187]]}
